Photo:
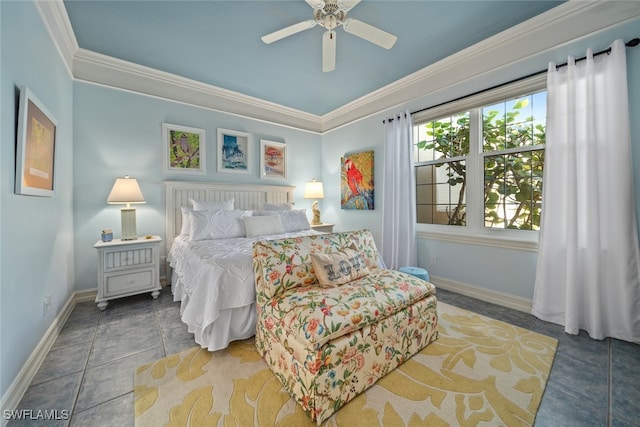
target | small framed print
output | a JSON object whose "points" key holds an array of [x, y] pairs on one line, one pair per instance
{"points": [[273, 159], [184, 149], [35, 147], [233, 151]]}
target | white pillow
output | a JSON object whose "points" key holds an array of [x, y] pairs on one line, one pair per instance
{"points": [[219, 224], [294, 220], [277, 206], [186, 221], [262, 225], [264, 213], [204, 205]]}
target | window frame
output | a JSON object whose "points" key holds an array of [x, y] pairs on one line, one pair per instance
{"points": [[475, 232]]}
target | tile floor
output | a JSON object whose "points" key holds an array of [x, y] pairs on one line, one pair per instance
{"points": [[89, 370]]}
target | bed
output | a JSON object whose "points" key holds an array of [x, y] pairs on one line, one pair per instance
{"points": [[211, 271]]}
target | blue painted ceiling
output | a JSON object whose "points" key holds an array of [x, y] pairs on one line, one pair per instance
{"points": [[218, 42]]}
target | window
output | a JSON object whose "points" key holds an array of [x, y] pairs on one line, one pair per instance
{"points": [[513, 136], [440, 153], [480, 167]]}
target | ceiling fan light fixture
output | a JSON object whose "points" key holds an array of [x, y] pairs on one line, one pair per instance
{"points": [[329, 22], [331, 14]]}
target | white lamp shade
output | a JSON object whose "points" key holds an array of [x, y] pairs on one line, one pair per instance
{"points": [[313, 190], [125, 190]]}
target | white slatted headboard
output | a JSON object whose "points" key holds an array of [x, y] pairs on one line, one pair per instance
{"points": [[246, 196]]}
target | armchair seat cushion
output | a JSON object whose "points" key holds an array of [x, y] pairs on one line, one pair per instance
{"points": [[314, 315]]}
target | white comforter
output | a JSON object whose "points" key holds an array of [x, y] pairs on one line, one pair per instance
{"points": [[212, 276]]}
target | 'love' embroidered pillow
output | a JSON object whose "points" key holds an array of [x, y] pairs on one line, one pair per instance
{"points": [[339, 267]]}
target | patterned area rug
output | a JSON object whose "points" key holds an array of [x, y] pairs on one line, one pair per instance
{"points": [[480, 371]]}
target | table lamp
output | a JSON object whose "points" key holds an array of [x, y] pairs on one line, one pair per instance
{"points": [[313, 190], [126, 191]]}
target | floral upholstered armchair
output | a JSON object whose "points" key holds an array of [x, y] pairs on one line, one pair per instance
{"points": [[331, 322]]}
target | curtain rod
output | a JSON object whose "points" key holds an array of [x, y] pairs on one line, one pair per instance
{"points": [[631, 43]]}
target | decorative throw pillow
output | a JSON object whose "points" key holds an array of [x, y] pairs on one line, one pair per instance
{"points": [[205, 205], [186, 221], [262, 225], [339, 267], [219, 224], [277, 206], [294, 220]]}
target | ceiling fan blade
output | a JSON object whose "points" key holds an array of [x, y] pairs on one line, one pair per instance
{"points": [[329, 51], [370, 33], [288, 31], [347, 5], [316, 4]]}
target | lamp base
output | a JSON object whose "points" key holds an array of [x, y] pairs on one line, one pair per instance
{"points": [[128, 218], [316, 213]]}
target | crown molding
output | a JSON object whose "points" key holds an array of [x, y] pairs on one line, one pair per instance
{"points": [[55, 18], [564, 23], [567, 22], [96, 68], [105, 70]]}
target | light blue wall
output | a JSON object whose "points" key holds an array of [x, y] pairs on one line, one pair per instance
{"points": [[118, 133], [361, 136], [36, 248], [496, 269]]}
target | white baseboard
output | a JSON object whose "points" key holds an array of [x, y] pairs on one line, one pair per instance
{"points": [[85, 295], [484, 294], [19, 386]]}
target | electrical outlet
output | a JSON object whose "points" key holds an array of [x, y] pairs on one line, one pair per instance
{"points": [[45, 305], [434, 260]]}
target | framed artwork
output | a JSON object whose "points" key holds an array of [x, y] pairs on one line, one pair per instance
{"points": [[273, 159], [184, 149], [356, 188], [233, 151], [35, 147]]}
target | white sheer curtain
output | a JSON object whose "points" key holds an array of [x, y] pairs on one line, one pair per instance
{"points": [[588, 272], [399, 196]]}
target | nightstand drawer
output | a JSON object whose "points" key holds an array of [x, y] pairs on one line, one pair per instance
{"points": [[119, 259], [128, 282]]}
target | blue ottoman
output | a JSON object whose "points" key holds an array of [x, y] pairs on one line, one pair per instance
{"points": [[415, 271]]}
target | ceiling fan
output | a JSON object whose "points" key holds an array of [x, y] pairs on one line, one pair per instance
{"points": [[330, 14]]}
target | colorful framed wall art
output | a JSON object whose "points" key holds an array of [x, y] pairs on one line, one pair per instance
{"points": [[35, 147], [184, 149], [233, 151], [357, 187], [273, 159]]}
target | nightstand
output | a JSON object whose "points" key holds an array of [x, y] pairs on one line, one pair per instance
{"points": [[328, 228], [127, 267]]}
